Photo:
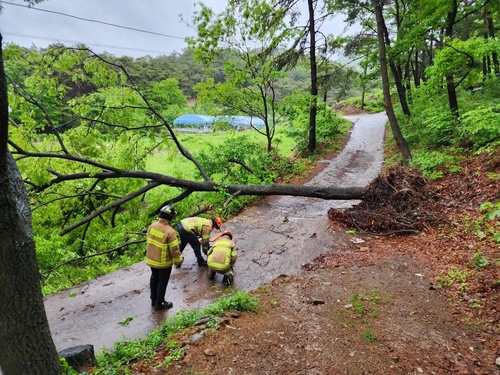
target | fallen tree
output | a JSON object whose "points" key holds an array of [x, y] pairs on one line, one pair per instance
{"points": [[66, 164], [153, 180]]}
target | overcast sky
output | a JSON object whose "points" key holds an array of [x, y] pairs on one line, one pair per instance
{"points": [[87, 21]]}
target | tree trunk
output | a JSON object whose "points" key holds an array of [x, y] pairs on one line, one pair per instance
{"points": [[396, 131], [491, 34], [314, 80], [450, 80], [363, 87], [416, 70], [396, 72], [26, 345], [452, 95]]}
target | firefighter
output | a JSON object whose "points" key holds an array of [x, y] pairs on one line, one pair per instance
{"points": [[162, 252], [192, 229], [222, 257]]}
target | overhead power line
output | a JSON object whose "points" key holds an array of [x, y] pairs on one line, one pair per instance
{"points": [[87, 44], [91, 20]]}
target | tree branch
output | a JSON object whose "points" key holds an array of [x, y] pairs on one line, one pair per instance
{"points": [[19, 151], [41, 107], [117, 203], [121, 126], [170, 131], [48, 272], [178, 198]]}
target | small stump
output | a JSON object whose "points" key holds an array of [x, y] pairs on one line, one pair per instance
{"points": [[79, 357]]}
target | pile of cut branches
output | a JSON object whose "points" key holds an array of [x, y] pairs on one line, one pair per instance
{"points": [[395, 202]]}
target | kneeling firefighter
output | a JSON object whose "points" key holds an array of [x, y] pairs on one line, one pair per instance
{"points": [[222, 257]]}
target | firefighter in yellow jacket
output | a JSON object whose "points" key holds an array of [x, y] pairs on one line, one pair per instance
{"points": [[222, 257], [162, 252], [192, 229]]}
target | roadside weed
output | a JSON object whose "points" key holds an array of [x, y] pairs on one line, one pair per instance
{"points": [[118, 360], [364, 309], [360, 303], [492, 210], [357, 303], [263, 289], [369, 336], [239, 300], [453, 276], [375, 297], [490, 222], [471, 324], [126, 321], [479, 260], [476, 303]]}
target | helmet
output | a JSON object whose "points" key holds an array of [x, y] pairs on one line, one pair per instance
{"points": [[167, 212], [227, 233], [217, 222]]}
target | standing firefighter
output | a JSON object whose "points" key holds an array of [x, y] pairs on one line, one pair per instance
{"points": [[222, 257], [193, 228], [162, 252]]}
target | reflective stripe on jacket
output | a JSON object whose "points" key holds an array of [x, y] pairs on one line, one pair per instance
{"points": [[200, 227], [222, 255], [162, 245]]}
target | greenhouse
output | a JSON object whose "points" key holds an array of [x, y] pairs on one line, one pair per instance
{"points": [[203, 123], [194, 123]]}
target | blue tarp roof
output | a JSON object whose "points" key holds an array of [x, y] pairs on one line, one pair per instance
{"points": [[242, 120], [191, 119]]}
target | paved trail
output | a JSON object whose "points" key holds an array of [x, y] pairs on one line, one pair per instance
{"points": [[273, 238]]}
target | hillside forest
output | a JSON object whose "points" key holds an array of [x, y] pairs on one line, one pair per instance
{"points": [[92, 134]]}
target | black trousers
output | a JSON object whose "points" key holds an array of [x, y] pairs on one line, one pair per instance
{"points": [[191, 239], [158, 284]]}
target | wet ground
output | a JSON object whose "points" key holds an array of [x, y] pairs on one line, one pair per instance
{"points": [[273, 238]]}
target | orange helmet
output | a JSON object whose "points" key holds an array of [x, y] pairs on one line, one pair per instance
{"points": [[217, 222], [220, 234]]}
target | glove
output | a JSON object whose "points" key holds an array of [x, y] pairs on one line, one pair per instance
{"points": [[208, 251], [179, 264]]}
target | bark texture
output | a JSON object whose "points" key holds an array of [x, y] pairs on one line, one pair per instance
{"points": [[26, 345], [396, 131]]}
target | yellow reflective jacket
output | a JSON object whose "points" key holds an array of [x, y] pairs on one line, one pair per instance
{"points": [[162, 246], [222, 255], [199, 226]]}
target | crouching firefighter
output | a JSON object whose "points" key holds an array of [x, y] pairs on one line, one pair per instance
{"points": [[222, 257]]}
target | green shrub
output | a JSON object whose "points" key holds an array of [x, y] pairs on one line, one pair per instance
{"points": [[434, 164], [479, 260], [116, 361]]}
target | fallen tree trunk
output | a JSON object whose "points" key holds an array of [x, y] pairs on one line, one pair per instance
{"points": [[155, 179], [323, 192]]}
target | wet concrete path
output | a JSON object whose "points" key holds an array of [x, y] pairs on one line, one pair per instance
{"points": [[273, 238]]}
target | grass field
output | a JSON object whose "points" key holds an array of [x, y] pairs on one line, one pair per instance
{"points": [[171, 162]]}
